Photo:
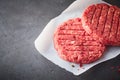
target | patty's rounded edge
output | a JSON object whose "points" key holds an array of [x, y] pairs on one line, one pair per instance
{"points": [[73, 44], [103, 21]]}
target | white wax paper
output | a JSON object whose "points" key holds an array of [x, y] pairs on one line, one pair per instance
{"points": [[44, 42]]}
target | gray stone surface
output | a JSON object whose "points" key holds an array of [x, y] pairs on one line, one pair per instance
{"points": [[21, 21]]}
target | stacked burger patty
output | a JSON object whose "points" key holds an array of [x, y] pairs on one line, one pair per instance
{"points": [[103, 21], [83, 40]]}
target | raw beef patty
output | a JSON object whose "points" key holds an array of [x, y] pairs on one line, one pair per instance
{"points": [[75, 45], [103, 20]]}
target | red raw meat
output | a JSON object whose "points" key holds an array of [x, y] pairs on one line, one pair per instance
{"points": [[103, 21], [73, 43]]}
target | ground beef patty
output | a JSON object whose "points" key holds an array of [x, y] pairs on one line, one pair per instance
{"points": [[103, 20], [75, 45]]}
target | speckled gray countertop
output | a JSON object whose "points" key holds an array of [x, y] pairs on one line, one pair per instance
{"points": [[21, 21]]}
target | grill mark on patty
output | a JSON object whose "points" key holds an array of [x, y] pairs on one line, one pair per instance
{"points": [[89, 50], [66, 37], [77, 27], [71, 29], [108, 23], [102, 20], [80, 50], [118, 23], [92, 13], [96, 16], [114, 25], [70, 42], [76, 37], [118, 32], [78, 43], [111, 22], [74, 32], [105, 21]]}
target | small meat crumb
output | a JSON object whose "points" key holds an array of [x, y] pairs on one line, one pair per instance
{"points": [[73, 65]]}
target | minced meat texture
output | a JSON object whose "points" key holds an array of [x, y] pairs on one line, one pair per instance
{"points": [[103, 21], [75, 45]]}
